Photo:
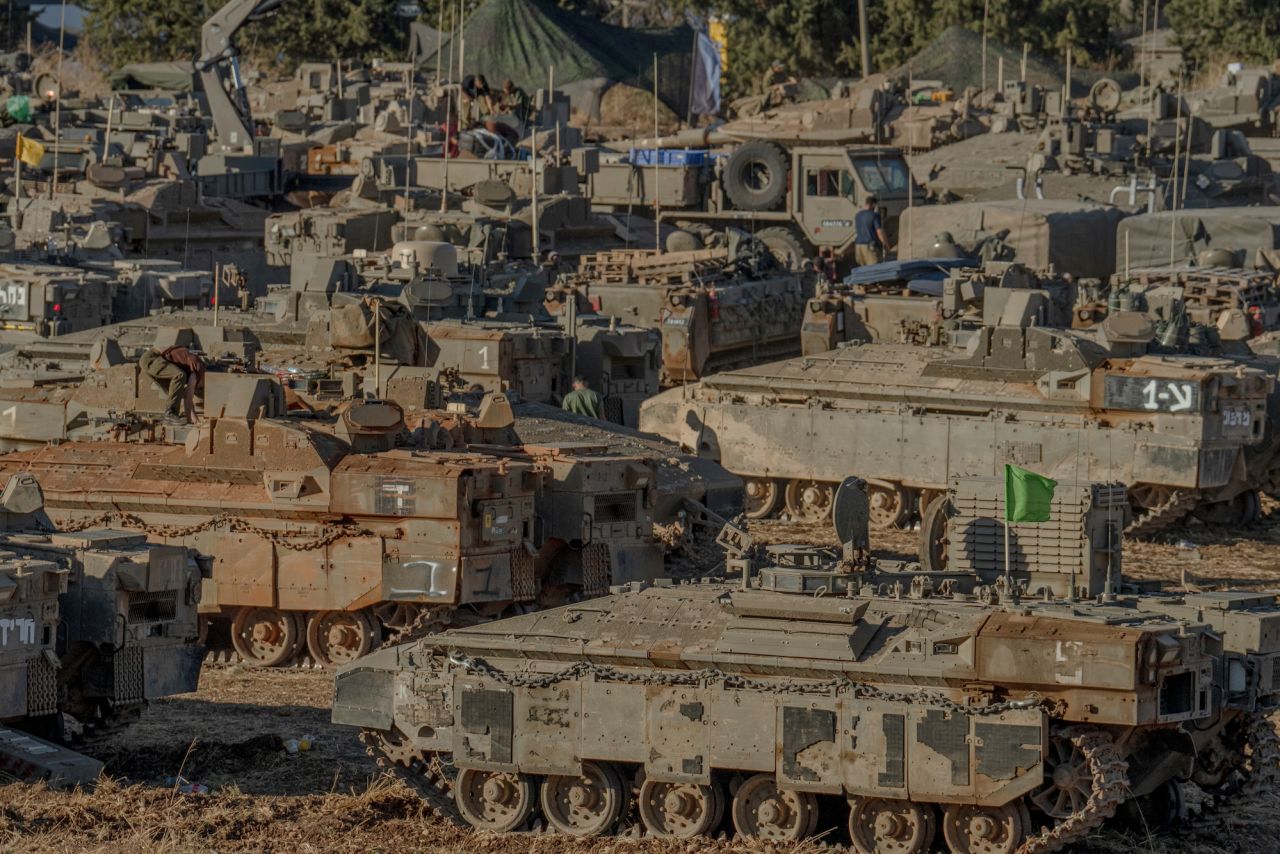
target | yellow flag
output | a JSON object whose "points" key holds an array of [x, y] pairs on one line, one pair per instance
{"points": [[29, 151]]}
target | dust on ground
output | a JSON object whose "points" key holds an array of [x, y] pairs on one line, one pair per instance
{"points": [[231, 736]]}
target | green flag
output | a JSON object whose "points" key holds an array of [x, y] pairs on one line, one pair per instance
{"points": [[1027, 496]]}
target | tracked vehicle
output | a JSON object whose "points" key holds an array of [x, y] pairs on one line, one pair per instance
{"points": [[93, 625], [1063, 402], [977, 708], [327, 531]]}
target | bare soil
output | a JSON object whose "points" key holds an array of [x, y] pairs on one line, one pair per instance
{"points": [[231, 737]]}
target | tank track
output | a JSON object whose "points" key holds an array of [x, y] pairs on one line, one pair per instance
{"points": [[1163, 516], [1262, 756], [427, 775], [1110, 789]]}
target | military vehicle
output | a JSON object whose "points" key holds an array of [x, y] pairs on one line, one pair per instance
{"points": [[796, 200], [1245, 99], [715, 308], [1066, 402], [1244, 236], [328, 530], [1011, 709], [94, 623], [44, 300]]}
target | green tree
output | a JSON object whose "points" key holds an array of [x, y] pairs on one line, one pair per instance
{"points": [[1211, 31], [124, 31]]}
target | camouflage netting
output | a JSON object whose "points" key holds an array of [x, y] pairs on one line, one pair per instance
{"points": [[955, 58], [523, 39]]}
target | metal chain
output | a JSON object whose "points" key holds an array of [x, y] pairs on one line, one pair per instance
{"points": [[330, 533], [1110, 775], [860, 690]]}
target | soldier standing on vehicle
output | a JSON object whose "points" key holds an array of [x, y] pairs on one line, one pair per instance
{"points": [[870, 243], [179, 372], [582, 400]]}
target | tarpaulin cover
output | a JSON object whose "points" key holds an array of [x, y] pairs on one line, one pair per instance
{"points": [[904, 270], [521, 40], [1072, 237], [169, 76], [1157, 239]]}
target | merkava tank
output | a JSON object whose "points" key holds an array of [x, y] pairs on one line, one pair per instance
{"points": [[94, 623], [974, 709], [716, 308], [326, 531], [1100, 402]]}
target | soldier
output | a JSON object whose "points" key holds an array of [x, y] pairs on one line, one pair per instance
{"points": [[476, 88], [180, 372], [515, 101], [582, 400], [870, 243]]}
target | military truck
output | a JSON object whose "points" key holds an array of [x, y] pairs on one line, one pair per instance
{"points": [[973, 709], [796, 200], [326, 531], [1060, 401], [94, 623], [715, 308]]}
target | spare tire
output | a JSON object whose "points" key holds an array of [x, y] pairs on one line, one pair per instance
{"points": [[755, 176]]}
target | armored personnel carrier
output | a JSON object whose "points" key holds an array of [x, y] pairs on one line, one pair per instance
{"points": [[1062, 401], [328, 530], [968, 709], [716, 308], [93, 624]]}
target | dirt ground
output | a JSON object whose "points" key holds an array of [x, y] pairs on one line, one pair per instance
{"points": [[230, 737]]}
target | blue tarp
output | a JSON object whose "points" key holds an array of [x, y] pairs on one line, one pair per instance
{"points": [[918, 270]]}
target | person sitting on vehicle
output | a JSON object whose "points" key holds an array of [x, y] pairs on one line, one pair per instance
{"points": [[476, 88], [582, 400], [180, 372], [515, 101], [870, 243]]}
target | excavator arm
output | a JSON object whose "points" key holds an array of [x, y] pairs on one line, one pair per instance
{"points": [[219, 69]]}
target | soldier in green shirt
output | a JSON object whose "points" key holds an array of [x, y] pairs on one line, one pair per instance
{"points": [[582, 400]]}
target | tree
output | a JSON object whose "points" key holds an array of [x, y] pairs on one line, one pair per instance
{"points": [[124, 31], [1217, 30]]}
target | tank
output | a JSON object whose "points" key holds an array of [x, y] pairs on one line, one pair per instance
{"points": [[966, 709], [1065, 402], [93, 625], [328, 530]]}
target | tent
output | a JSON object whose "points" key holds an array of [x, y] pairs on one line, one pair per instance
{"points": [[1156, 239], [1072, 237], [522, 40], [166, 76]]}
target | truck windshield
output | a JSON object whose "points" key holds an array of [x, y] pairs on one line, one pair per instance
{"points": [[882, 176]]}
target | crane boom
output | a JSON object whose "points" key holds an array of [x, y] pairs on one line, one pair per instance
{"points": [[219, 69]]}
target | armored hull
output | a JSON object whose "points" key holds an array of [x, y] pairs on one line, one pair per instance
{"points": [[908, 706], [907, 418], [93, 625], [325, 532]]}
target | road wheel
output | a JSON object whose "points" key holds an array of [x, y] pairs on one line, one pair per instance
{"points": [[810, 500], [971, 829], [885, 826], [266, 637], [679, 810], [763, 811], [785, 245], [585, 805], [935, 520], [497, 801], [336, 637], [888, 505], [755, 176], [762, 497]]}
